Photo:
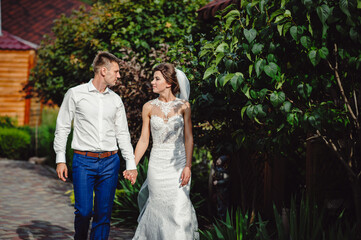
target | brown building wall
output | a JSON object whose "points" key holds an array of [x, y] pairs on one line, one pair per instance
{"points": [[15, 66]]}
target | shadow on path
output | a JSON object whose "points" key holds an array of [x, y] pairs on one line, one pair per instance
{"points": [[43, 230]]}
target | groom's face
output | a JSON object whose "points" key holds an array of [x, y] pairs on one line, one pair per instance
{"points": [[159, 83], [112, 74]]}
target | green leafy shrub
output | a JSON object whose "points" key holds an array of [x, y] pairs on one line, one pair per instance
{"points": [[307, 221], [303, 222], [237, 226], [201, 165], [7, 122], [14, 143]]}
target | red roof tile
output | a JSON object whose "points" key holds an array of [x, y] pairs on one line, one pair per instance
{"points": [[10, 42], [31, 19], [208, 11]]}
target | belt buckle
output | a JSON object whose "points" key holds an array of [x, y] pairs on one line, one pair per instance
{"points": [[100, 155]]}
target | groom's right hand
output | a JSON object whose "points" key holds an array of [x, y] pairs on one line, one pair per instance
{"points": [[62, 171]]}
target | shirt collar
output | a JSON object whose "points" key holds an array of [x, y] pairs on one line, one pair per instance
{"points": [[91, 87]]}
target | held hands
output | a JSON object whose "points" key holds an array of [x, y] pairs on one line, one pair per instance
{"points": [[131, 175], [186, 175], [62, 171]]}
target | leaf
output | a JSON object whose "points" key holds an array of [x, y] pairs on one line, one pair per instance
{"points": [[257, 48], [204, 52], [260, 112], [262, 94], [323, 12], [221, 80], [237, 80], [277, 98], [259, 65], [323, 52], [279, 18], [210, 71], [324, 31], [250, 35], [314, 57], [279, 28], [307, 3], [315, 122], [293, 32], [286, 27], [222, 47], [271, 58], [250, 111], [276, 13], [261, 5], [292, 119], [286, 107], [304, 90], [344, 5], [283, 3], [287, 13], [219, 57], [227, 78], [250, 69], [271, 69], [231, 16], [230, 65], [243, 111], [254, 94], [306, 41], [245, 90], [353, 34]]}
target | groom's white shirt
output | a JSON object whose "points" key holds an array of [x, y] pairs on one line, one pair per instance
{"points": [[99, 123]]}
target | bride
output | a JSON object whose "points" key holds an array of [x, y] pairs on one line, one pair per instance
{"points": [[166, 210]]}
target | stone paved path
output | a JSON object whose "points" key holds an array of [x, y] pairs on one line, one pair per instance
{"points": [[33, 204]]}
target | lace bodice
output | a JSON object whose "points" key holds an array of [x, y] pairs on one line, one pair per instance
{"points": [[167, 125]]}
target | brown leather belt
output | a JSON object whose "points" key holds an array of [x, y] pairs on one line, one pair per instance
{"points": [[96, 155]]}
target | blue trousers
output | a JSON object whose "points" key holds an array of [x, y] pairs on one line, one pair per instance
{"points": [[101, 176]]}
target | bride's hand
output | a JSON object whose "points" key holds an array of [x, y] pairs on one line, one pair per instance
{"points": [[186, 175], [131, 175]]}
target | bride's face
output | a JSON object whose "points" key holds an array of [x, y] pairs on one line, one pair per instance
{"points": [[159, 83]]}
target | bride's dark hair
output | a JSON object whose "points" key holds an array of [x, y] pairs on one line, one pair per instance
{"points": [[169, 74]]}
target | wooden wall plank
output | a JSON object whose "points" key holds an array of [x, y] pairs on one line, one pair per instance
{"points": [[14, 73]]}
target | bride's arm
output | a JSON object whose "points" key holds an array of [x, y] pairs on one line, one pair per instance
{"points": [[188, 138], [143, 141]]}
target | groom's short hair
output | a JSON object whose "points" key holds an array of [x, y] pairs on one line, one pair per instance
{"points": [[103, 59]]}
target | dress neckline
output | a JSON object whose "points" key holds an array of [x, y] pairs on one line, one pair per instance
{"points": [[163, 102]]}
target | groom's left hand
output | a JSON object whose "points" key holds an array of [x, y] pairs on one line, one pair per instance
{"points": [[131, 175]]}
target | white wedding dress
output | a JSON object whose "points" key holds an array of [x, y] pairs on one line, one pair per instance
{"points": [[167, 214]]}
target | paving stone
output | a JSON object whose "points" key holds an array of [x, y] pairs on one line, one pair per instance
{"points": [[33, 204]]}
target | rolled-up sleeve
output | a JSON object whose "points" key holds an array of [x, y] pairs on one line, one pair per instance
{"points": [[123, 136], [63, 125]]}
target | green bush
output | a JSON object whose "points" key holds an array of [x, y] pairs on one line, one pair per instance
{"points": [[237, 226], [304, 221], [201, 166], [14, 143], [308, 221], [42, 138], [7, 122]]}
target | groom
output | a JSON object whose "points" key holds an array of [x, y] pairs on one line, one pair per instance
{"points": [[99, 125]]}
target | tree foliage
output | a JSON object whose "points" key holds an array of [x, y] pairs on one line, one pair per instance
{"points": [[64, 60], [138, 32], [294, 67]]}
